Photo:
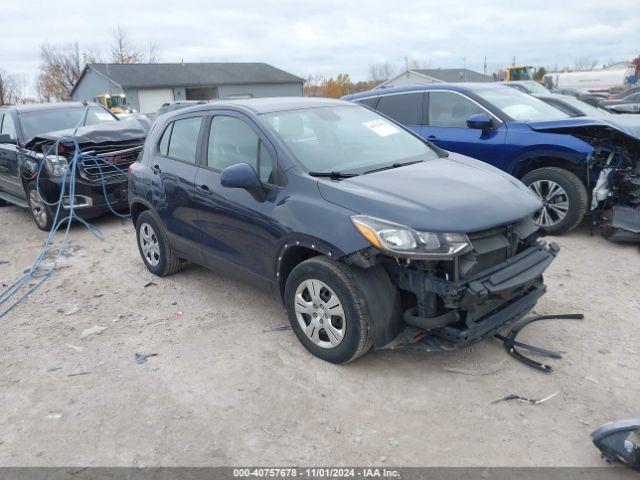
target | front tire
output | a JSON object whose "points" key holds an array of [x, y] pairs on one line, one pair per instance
{"points": [[327, 310], [40, 211], [154, 247], [564, 197]]}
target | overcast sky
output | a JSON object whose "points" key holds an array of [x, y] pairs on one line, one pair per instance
{"points": [[329, 37]]}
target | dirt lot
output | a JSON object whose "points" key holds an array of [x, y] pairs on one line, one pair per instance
{"points": [[221, 391]]}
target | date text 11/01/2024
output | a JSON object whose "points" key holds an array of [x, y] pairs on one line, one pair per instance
{"points": [[316, 472]]}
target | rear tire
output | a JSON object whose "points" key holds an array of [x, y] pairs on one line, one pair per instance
{"points": [[154, 247], [337, 331], [571, 192]]}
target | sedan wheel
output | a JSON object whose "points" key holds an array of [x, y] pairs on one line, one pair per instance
{"points": [[149, 245], [555, 203], [320, 314], [39, 210]]}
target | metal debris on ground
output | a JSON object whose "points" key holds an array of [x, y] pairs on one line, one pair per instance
{"points": [[79, 374], [142, 357], [91, 331], [525, 399], [619, 441], [510, 342], [277, 328], [143, 282], [4, 262], [490, 370]]}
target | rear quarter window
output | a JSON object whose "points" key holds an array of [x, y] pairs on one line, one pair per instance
{"points": [[403, 108]]}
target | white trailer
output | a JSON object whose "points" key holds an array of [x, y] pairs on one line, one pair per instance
{"points": [[605, 80]]}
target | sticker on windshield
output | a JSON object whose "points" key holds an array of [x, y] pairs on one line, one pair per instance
{"points": [[103, 116], [381, 127]]}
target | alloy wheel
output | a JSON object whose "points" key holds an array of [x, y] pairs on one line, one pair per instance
{"points": [[320, 314], [38, 208], [149, 244], [555, 203]]}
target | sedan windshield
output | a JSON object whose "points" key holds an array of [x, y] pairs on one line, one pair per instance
{"points": [[520, 106], [44, 121], [347, 138]]}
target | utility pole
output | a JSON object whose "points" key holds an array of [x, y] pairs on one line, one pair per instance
{"points": [[406, 63], [485, 65]]}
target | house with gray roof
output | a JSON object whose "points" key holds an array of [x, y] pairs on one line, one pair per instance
{"points": [[435, 75], [149, 85]]}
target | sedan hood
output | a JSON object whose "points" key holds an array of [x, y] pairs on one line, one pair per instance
{"points": [[455, 194], [126, 131]]}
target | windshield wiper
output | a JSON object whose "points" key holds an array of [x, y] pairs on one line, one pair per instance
{"points": [[334, 175], [394, 165]]}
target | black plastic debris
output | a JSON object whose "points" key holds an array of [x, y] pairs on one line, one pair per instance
{"points": [[619, 441], [511, 343]]}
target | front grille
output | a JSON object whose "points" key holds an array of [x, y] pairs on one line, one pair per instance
{"points": [[495, 246], [110, 165]]}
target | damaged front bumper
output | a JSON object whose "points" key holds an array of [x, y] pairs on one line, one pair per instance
{"points": [[475, 308]]}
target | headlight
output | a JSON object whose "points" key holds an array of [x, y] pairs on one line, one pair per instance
{"points": [[406, 242], [56, 165]]}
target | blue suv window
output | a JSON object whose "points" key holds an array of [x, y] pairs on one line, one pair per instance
{"points": [[232, 141], [404, 108], [447, 109]]}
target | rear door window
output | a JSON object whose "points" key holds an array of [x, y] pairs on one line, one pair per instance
{"points": [[183, 140], [448, 109], [404, 108]]}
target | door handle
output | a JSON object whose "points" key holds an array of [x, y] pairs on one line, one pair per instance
{"points": [[203, 190], [431, 138], [156, 168]]}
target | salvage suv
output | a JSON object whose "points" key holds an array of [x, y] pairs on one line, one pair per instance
{"points": [[574, 165], [28, 134], [366, 232]]}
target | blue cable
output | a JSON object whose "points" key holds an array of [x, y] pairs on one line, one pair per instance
{"points": [[37, 271]]}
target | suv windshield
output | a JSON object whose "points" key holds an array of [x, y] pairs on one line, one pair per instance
{"points": [[45, 121], [346, 138], [520, 106]]}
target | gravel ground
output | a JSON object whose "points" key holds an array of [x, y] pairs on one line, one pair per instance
{"points": [[222, 391]]}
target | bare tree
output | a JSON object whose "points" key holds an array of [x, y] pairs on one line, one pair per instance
{"points": [[416, 64], [122, 50], [381, 72], [585, 64], [13, 89], [60, 68], [154, 52]]}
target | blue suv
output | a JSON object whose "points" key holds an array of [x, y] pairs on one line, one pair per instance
{"points": [[368, 234], [560, 158]]}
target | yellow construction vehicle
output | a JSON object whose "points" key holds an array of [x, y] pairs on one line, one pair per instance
{"points": [[519, 73], [116, 102]]}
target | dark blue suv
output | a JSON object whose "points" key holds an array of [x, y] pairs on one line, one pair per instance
{"points": [[561, 159], [368, 234]]}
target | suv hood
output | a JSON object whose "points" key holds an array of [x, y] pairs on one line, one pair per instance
{"points": [[627, 126], [128, 131], [455, 194]]}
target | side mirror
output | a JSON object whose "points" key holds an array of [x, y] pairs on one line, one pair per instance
{"points": [[480, 121], [620, 441], [5, 138], [242, 175]]}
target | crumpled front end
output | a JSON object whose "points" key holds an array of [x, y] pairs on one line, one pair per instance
{"points": [[450, 304], [613, 174]]}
